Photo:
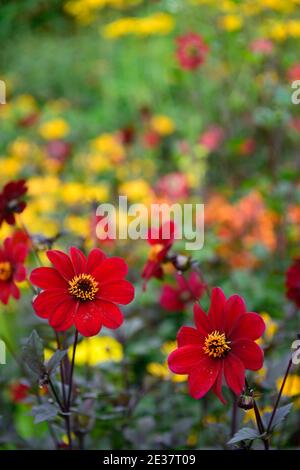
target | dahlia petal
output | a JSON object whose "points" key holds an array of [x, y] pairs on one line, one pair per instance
{"points": [[63, 314], [87, 319], [183, 360], [188, 336], [216, 310], [14, 290], [19, 273], [201, 320], [4, 292], [61, 263], [95, 258], [234, 372], [47, 301], [120, 292], [111, 269], [217, 386], [78, 260], [202, 378], [20, 252], [47, 278], [249, 353], [250, 325], [234, 308], [110, 314], [170, 299]]}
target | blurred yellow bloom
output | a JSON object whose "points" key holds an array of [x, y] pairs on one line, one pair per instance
{"points": [[9, 167], [163, 125], [97, 162], [78, 225], [43, 184], [231, 22], [137, 190], [54, 129], [25, 103], [161, 370], [98, 349], [20, 148], [192, 439], [250, 414], [158, 23], [109, 147], [278, 31], [271, 328], [292, 385]]}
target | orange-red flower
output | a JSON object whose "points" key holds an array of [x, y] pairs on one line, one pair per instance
{"points": [[81, 290], [11, 201], [12, 269], [222, 345]]}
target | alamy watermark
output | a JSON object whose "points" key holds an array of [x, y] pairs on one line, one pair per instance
{"points": [[295, 98], [2, 92], [134, 221], [2, 353]]}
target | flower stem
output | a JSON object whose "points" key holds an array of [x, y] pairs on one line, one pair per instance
{"points": [[279, 395], [72, 370]]}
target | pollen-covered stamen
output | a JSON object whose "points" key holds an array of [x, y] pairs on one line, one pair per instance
{"points": [[83, 287], [215, 344], [5, 271], [155, 250]]}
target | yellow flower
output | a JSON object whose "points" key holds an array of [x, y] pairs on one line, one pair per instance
{"points": [[97, 350], [161, 370], [292, 385], [20, 148], [137, 190], [250, 414], [158, 23], [43, 184], [278, 31], [271, 328], [108, 146], [25, 103], [10, 167], [54, 129], [163, 125], [231, 22], [78, 225]]}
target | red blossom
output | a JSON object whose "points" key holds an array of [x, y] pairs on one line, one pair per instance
{"points": [[161, 241], [222, 344], [173, 186], [191, 51], [262, 46], [212, 138], [188, 290], [293, 282], [82, 291], [11, 202], [19, 391], [12, 269]]}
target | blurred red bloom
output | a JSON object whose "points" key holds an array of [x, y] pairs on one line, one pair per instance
{"points": [[191, 51], [293, 282], [173, 186], [247, 147], [151, 139], [58, 149], [11, 202], [19, 391], [262, 46], [223, 343], [188, 290], [212, 138], [293, 72], [12, 269], [82, 291], [161, 241]]}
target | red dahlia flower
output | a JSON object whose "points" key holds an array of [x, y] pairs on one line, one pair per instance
{"points": [[11, 201], [223, 343], [82, 291], [293, 282], [188, 290], [191, 51], [161, 241], [12, 270]]}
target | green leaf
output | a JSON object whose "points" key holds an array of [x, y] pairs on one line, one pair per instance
{"points": [[44, 412], [279, 417], [55, 360], [33, 353], [243, 435]]}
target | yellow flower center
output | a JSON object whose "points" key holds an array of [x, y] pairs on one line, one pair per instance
{"points": [[5, 271], [154, 251], [83, 287], [215, 344]]}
